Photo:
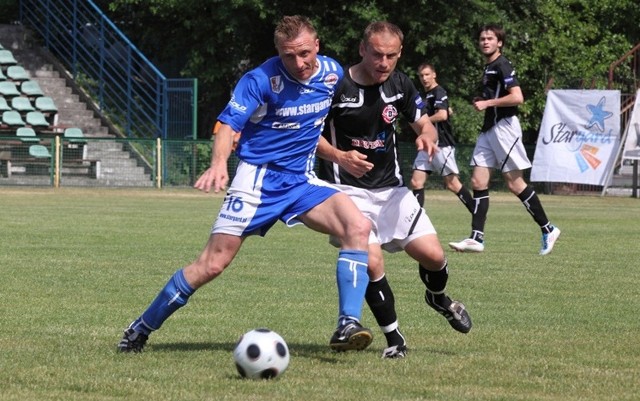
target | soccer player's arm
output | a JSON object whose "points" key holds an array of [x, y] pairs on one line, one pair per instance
{"points": [[438, 116], [236, 135], [353, 162], [513, 98], [217, 176], [427, 139]]}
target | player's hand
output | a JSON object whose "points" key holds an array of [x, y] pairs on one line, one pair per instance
{"points": [[425, 143], [479, 104], [213, 177], [355, 163]]}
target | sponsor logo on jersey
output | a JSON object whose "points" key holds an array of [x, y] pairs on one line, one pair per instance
{"points": [[389, 114], [366, 144], [236, 105], [346, 99], [308, 108], [419, 102], [277, 125], [331, 80], [276, 84], [302, 90]]}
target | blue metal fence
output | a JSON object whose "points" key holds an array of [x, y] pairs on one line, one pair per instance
{"points": [[124, 84]]}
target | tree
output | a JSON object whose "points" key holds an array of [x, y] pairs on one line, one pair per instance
{"points": [[571, 41]]}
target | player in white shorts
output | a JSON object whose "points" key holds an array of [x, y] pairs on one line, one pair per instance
{"points": [[499, 145], [360, 155], [280, 108], [443, 162]]}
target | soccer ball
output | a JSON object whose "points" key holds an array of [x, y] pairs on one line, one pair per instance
{"points": [[261, 354]]}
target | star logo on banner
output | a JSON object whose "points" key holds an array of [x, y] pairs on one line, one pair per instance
{"points": [[598, 115]]}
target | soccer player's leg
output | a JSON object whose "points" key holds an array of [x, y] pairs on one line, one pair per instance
{"points": [[175, 294], [434, 273], [381, 301], [335, 213], [421, 166]]}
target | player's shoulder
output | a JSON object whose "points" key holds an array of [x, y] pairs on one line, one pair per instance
{"points": [[439, 90], [398, 81], [503, 63], [269, 67], [329, 64]]}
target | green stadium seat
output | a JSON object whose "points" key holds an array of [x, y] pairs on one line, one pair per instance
{"points": [[17, 73], [31, 89], [13, 119], [37, 120], [22, 104], [39, 151], [46, 105], [27, 134], [4, 106], [6, 58], [74, 135], [8, 89]]}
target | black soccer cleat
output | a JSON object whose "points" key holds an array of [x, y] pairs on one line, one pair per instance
{"points": [[351, 336], [454, 311], [132, 341], [395, 352]]}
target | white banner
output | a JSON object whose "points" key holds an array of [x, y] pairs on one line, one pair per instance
{"points": [[632, 144], [579, 137]]}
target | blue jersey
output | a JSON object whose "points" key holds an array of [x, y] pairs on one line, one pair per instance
{"points": [[280, 117]]}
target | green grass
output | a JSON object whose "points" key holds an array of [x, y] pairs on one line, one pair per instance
{"points": [[79, 264]]}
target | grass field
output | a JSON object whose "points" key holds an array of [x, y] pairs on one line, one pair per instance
{"points": [[79, 264]]}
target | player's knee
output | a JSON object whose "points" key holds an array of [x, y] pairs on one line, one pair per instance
{"points": [[433, 259], [358, 230], [375, 267], [208, 269], [417, 183], [479, 184]]}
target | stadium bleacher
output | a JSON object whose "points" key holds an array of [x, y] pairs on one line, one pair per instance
{"points": [[7, 59], [17, 73], [30, 115], [12, 119], [4, 106], [22, 104], [37, 120], [46, 105], [31, 89], [27, 134], [8, 89]]}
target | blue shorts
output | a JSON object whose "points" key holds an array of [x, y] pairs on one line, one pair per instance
{"points": [[259, 196]]}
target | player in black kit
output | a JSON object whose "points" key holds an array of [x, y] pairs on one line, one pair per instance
{"points": [[436, 105], [360, 152], [499, 145]]}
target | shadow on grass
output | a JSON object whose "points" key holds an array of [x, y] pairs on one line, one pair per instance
{"points": [[312, 351], [318, 352]]}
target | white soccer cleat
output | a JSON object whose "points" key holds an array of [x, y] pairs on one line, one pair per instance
{"points": [[549, 240], [467, 245]]}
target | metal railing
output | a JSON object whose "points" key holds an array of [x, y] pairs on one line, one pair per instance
{"points": [[124, 85]]}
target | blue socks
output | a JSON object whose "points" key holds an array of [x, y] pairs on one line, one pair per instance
{"points": [[173, 296], [352, 280], [351, 276]]}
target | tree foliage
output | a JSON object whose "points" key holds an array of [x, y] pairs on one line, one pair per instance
{"points": [[572, 42]]}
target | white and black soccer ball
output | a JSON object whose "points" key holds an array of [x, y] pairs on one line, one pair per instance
{"points": [[261, 354]]}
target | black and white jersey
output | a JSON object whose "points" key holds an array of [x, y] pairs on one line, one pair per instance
{"points": [[364, 118], [498, 77], [437, 99]]}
